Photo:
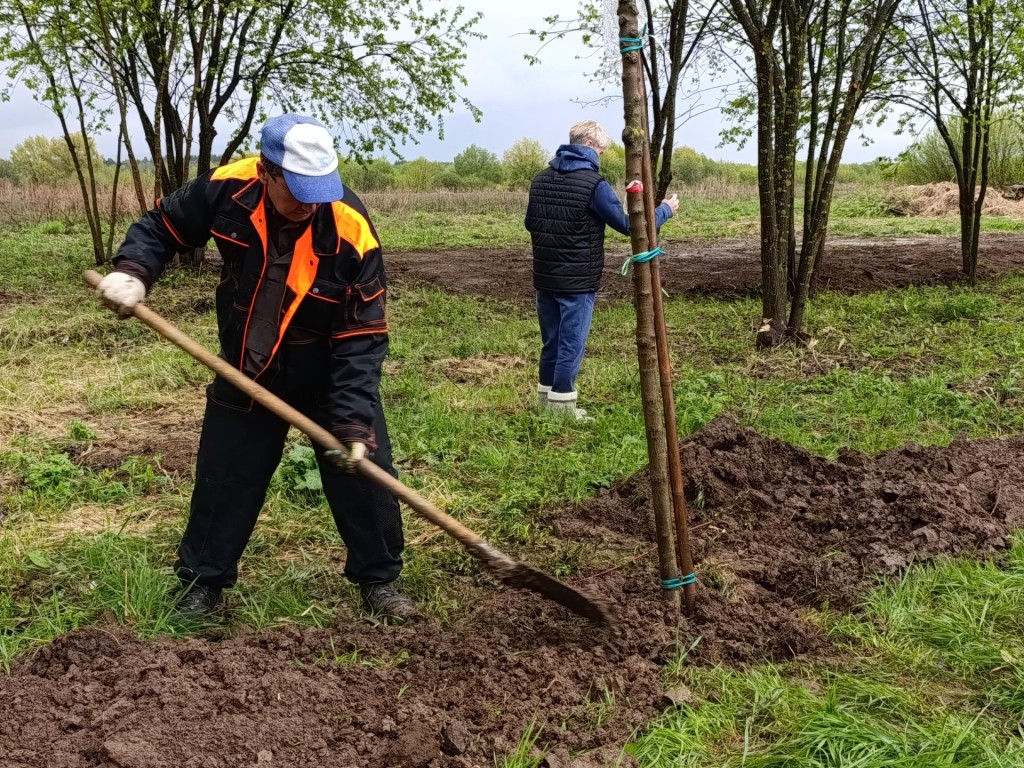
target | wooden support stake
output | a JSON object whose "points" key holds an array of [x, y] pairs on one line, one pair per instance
{"points": [[646, 342], [675, 468]]}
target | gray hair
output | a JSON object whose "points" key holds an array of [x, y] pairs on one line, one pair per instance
{"points": [[589, 130]]}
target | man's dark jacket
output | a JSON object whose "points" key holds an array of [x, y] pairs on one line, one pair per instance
{"points": [[332, 334]]}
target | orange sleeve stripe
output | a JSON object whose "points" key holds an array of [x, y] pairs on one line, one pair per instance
{"points": [[368, 332], [173, 231], [225, 237], [354, 229]]}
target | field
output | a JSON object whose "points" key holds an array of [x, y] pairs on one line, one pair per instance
{"points": [[856, 511]]}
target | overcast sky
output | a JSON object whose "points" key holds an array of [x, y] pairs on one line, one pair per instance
{"points": [[518, 100]]}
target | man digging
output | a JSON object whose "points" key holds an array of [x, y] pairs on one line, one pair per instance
{"points": [[300, 309]]}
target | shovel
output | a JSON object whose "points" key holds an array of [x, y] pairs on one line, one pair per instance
{"points": [[504, 568]]}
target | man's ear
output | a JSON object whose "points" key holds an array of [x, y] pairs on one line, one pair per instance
{"points": [[261, 172]]}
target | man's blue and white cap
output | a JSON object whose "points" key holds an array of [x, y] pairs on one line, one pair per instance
{"points": [[304, 148]]}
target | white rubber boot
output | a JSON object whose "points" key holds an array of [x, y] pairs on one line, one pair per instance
{"points": [[542, 396], [564, 403]]}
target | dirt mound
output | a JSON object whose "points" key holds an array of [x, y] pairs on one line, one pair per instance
{"points": [[777, 532], [354, 695], [943, 199], [814, 530]]}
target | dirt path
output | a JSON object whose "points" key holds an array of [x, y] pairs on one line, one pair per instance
{"points": [[728, 268], [360, 695]]}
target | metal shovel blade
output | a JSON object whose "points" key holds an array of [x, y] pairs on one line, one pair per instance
{"points": [[521, 576]]}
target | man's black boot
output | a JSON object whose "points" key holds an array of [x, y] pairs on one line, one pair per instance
{"points": [[386, 600], [198, 602]]}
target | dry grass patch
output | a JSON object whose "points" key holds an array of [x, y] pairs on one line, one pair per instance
{"points": [[479, 369], [942, 200]]}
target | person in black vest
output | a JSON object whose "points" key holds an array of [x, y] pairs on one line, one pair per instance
{"points": [[570, 204]]}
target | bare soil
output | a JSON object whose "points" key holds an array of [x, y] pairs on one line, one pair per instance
{"points": [[170, 438], [777, 533], [724, 268], [167, 435]]}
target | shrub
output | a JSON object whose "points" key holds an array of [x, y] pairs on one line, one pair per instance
{"points": [[477, 162], [375, 175], [39, 160], [419, 175], [522, 161], [928, 161], [613, 165]]}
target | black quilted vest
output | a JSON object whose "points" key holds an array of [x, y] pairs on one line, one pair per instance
{"points": [[568, 240]]}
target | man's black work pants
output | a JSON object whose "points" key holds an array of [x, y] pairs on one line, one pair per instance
{"points": [[238, 453]]}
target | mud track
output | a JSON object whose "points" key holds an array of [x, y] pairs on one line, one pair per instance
{"points": [[726, 269]]}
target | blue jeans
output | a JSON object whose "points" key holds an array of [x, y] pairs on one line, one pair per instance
{"points": [[564, 327]]}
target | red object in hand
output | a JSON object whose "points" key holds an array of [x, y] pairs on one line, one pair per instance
{"points": [[635, 187]]}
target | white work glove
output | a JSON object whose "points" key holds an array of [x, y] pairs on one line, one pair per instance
{"points": [[121, 292], [672, 202], [355, 452]]}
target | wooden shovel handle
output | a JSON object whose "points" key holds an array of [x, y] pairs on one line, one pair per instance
{"points": [[303, 423]]}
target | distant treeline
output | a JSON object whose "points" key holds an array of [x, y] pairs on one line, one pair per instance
{"points": [[39, 160]]}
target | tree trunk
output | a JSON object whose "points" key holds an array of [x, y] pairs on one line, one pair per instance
{"points": [[122, 108], [968, 215], [684, 557], [774, 256], [113, 200], [979, 206], [645, 333]]}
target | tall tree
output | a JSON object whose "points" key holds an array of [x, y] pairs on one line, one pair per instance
{"points": [[124, 135], [382, 79], [39, 43], [848, 40], [961, 63], [671, 38], [197, 73], [814, 61]]}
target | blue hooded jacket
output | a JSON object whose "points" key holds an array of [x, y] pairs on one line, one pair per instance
{"points": [[604, 204]]}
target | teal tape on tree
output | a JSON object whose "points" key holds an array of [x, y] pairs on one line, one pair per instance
{"points": [[641, 258], [679, 581], [632, 44]]}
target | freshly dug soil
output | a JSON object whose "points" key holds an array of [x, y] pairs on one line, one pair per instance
{"points": [[777, 533], [724, 268]]}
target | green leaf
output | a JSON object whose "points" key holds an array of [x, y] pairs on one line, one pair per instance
{"points": [[310, 481], [38, 559]]}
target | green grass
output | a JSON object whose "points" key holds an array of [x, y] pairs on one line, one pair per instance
{"points": [[934, 677], [933, 673], [526, 754]]}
